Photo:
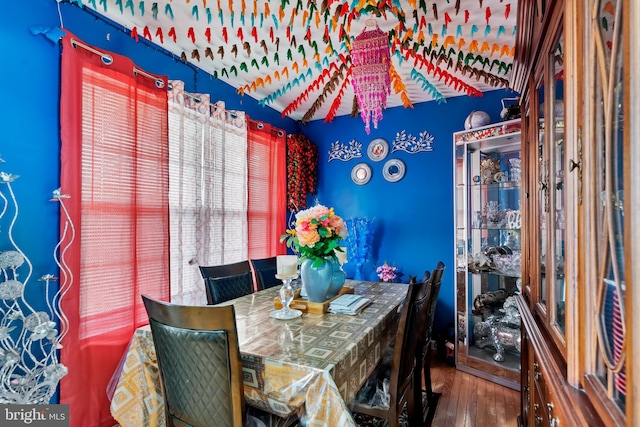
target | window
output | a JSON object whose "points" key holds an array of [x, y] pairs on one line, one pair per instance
{"points": [[227, 189]]}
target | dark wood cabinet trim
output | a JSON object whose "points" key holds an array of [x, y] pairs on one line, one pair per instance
{"points": [[571, 405]]}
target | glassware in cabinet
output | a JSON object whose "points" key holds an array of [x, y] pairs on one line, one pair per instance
{"points": [[488, 253]]}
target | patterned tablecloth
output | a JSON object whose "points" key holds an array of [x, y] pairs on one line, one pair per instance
{"points": [[314, 364]]}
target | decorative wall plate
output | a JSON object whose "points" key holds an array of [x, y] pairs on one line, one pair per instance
{"points": [[378, 149], [393, 170], [361, 173]]}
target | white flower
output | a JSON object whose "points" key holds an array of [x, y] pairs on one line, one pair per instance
{"points": [[11, 289], [55, 372], [11, 259], [8, 177], [38, 322], [4, 331]]}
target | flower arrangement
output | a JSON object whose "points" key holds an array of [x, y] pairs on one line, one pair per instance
{"points": [[302, 165], [317, 233], [386, 272]]}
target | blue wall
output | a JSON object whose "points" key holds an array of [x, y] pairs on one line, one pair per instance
{"points": [[414, 217], [30, 134]]}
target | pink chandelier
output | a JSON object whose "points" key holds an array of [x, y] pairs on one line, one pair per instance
{"points": [[370, 73]]}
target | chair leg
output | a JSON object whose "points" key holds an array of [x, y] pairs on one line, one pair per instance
{"points": [[414, 410], [417, 395], [427, 378], [427, 412]]}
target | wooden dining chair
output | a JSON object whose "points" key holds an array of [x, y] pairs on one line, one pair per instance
{"points": [[423, 352], [400, 369], [265, 272], [227, 282], [199, 362]]}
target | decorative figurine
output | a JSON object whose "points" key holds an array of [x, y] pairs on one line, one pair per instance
{"points": [[501, 328]]}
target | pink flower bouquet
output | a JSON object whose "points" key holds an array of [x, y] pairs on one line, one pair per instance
{"points": [[318, 232], [386, 273]]}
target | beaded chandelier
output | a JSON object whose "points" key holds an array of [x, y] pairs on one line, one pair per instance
{"points": [[370, 73]]}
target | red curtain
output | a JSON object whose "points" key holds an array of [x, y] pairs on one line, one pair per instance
{"points": [[114, 166], [267, 184]]}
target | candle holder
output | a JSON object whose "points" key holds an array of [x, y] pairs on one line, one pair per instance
{"points": [[286, 297], [287, 270]]}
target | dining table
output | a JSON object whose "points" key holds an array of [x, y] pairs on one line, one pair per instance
{"points": [[312, 365]]}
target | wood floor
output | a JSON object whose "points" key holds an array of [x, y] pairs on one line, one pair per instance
{"points": [[469, 401]]}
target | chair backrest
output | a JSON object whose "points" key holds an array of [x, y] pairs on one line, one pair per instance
{"points": [[412, 316], [226, 282], [435, 280], [199, 362], [424, 305], [265, 270]]}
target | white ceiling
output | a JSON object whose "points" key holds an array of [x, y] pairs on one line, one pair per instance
{"points": [[290, 54]]}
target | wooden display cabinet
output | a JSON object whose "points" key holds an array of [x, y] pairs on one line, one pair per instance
{"points": [[581, 237]]}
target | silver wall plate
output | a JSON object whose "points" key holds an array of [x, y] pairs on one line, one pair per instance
{"points": [[378, 149], [361, 173], [393, 170]]}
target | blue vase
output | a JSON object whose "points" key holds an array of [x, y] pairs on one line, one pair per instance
{"points": [[337, 279], [316, 280], [357, 273]]}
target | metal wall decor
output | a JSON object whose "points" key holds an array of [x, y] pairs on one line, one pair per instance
{"points": [[345, 152], [394, 170], [378, 149], [361, 173], [30, 368], [411, 144]]}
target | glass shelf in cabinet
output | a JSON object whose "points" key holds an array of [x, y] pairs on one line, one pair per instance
{"points": [[507, 185], [484, 352], [493, 272], [494, 227]]}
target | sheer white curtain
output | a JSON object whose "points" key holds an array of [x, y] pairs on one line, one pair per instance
{"points": [[207, 189]]}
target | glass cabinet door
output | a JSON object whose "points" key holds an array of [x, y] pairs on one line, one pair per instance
{"points": [[461, 247], [550, 203], [610, 152], [543, 205], [556, 190]]}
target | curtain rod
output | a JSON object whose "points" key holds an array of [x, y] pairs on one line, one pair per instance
{"points": [[195, 96], [108, 60], [143, 41]]}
